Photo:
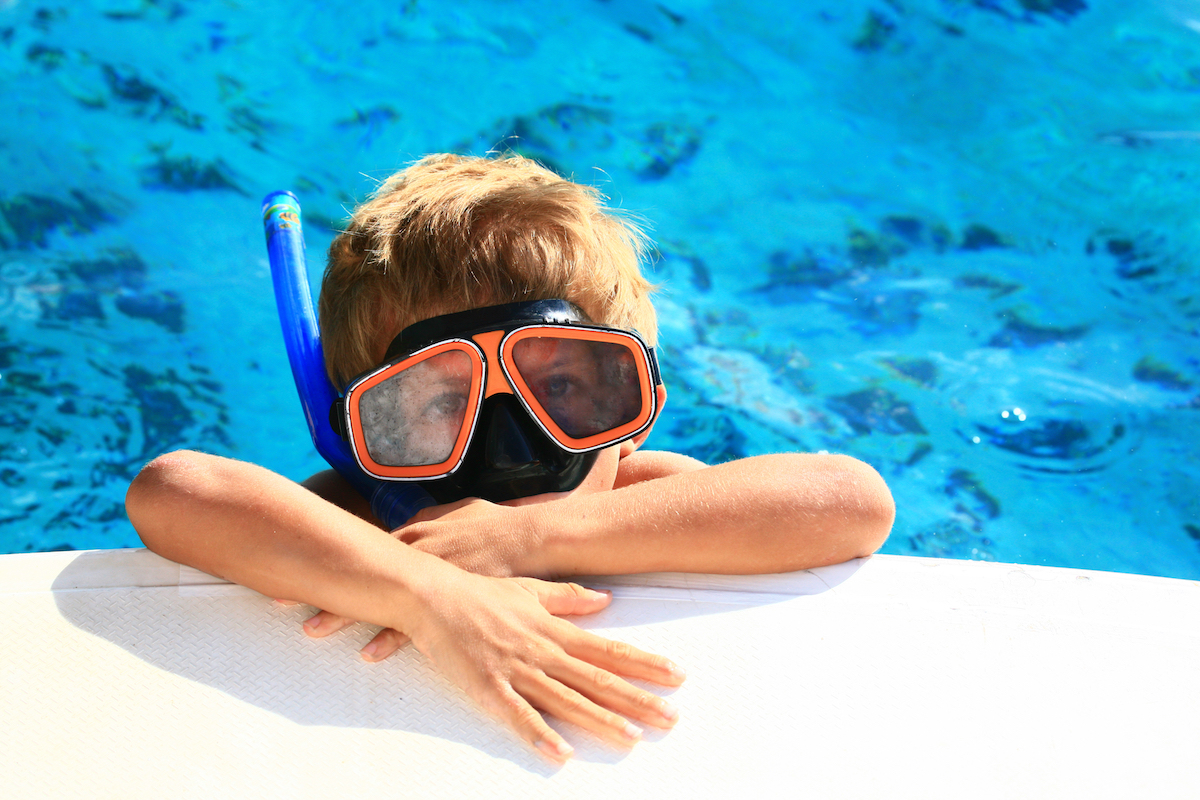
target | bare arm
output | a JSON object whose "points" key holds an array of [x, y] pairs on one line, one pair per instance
{"points": [[492, 637], [253, 527], [772, 513], [668, 513]]}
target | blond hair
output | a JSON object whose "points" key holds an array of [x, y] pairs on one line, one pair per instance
{"points": [[450, 233]]}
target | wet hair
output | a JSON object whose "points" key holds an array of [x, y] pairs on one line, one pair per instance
{"points": [[451, 233]]}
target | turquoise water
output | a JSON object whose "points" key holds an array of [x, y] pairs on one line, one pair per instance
{"points": [[955, 238]]}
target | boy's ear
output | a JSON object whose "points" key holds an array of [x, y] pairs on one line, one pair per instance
{"points": [[630, 445]]}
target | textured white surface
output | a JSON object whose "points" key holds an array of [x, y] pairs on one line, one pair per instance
{"points": [[123, 677]]}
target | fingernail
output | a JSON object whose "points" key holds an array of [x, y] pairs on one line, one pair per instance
{"points": [[678, 672], [369, 651], [632, 732], [668, 711], [557, 751], [596, 595]]}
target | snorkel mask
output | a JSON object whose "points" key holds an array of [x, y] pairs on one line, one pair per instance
{"points": [[499, 402]]}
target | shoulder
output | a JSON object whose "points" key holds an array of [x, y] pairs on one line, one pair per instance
{"points": [[645, 465]]}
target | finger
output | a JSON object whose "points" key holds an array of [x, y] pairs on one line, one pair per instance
{"points": [[515, 711], [569, 705], [623, 659], [565, 599], [386, 642], [605, 689], [325, 623]]}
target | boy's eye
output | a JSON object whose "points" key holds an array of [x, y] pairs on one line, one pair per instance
{"points": [[554, 387], [448, 405]]}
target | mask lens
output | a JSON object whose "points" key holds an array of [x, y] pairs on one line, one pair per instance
{"points": [[416, 416], [587, 387]]}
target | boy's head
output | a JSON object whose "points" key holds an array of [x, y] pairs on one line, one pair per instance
{"points": [[452, 233]]}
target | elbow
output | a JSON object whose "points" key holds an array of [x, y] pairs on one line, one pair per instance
{"points": [[848, 507], [831, 508], [154, 496], [868, 504]]}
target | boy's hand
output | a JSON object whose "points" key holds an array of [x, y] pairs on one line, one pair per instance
{"points": [[474, 535], [498, 640]]}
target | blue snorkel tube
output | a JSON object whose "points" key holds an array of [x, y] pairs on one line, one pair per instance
{"points": [[392, 503]]}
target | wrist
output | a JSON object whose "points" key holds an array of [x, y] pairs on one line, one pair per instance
{"points": [[557, 537], [410, 602], [535, 530]]}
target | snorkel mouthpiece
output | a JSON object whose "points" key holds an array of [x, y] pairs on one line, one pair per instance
{"points": [[392, 503]]}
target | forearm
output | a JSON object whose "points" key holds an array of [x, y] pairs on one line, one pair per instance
{"points": [[251, 526], [764, 514]]}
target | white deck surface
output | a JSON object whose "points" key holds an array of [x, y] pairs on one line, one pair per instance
{"points": [[123, 676]]}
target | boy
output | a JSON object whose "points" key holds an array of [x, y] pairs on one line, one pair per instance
{"points": [[487, 308]]}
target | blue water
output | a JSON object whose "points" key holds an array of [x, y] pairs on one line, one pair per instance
{"points": [[955, 238]]}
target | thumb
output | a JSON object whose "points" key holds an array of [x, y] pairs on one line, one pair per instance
{"points": [[563, 599]]}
